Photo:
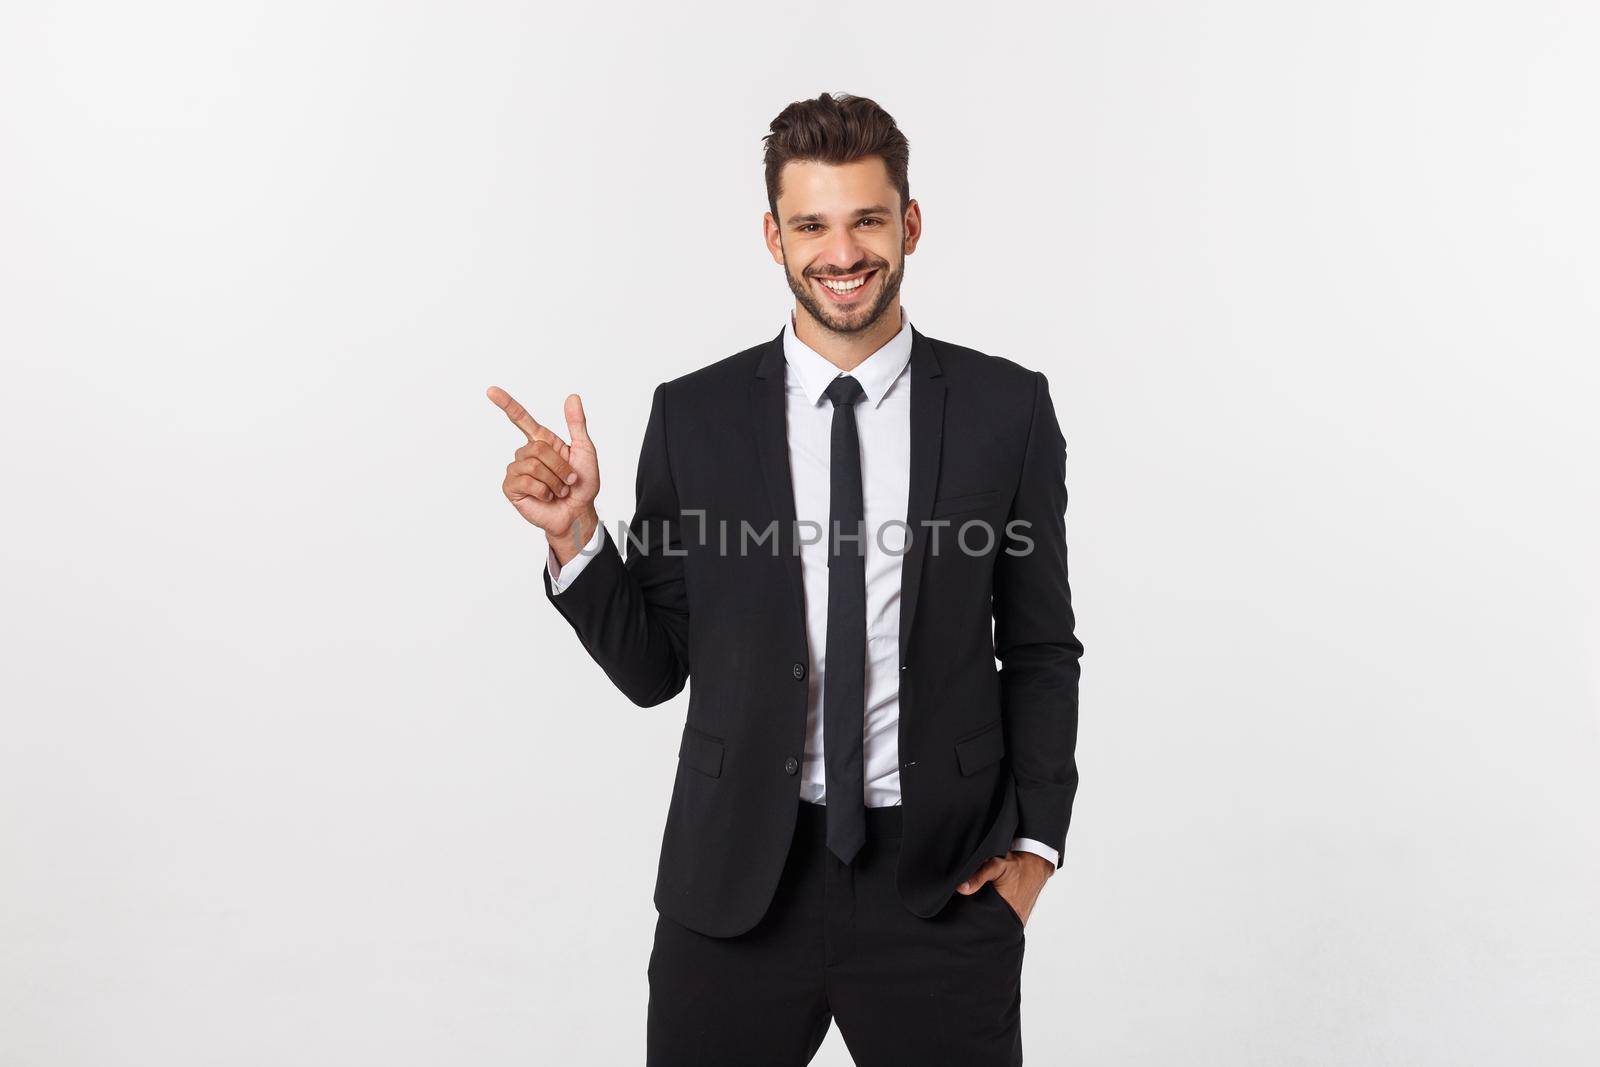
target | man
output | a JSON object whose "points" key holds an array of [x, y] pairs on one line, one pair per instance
{"points": [[837, 533]]}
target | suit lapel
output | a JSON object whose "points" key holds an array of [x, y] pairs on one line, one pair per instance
{"points": [[927, 437], [770, 418]]}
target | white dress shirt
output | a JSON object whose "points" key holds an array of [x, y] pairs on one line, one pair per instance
{"points": [[883, 423]]}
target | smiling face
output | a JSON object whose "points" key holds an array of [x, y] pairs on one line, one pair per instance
{"points": [[842, 240]]}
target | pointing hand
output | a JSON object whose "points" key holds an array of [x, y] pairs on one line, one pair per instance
{"points": [[551, 483]]}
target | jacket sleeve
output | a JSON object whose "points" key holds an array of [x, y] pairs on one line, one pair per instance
{"points": [[633, 617], [1034, 636]]}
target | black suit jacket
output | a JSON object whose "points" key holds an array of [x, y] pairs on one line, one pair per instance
{"points": [[985, 755]]}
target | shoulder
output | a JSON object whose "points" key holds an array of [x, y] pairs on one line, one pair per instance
{"points": [[717, 382], [968, 368], [711, 394]]}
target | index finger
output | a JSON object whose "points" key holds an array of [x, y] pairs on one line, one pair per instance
{"points": [[515, 412]]}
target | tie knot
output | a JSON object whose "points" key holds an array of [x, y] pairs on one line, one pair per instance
{"points": [[844, 390]]}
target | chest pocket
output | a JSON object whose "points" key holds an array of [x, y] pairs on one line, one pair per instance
{"points": [[956, 505]]}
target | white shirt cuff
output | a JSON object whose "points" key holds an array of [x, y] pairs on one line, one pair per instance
{"points": [[1028, 844], [561, 578]]}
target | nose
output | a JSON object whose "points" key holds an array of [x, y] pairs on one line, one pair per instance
{"points": [[843, 252]]}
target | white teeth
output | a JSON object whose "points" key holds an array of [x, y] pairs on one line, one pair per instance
{"points": [[844, 287]]}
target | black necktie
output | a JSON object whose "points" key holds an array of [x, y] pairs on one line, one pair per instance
{"points": [[844, 684]]}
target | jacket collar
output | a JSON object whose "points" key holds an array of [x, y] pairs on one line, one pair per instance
{"points": [[769, 420]]}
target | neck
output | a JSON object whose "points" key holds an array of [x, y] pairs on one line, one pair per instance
{"points": [[846, 350]]}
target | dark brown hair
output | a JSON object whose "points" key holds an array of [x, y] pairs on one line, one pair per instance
{"points": [[836, 129]]}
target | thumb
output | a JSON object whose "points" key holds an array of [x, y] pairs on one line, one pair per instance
{"points": [[577, 426], [981, 875]]}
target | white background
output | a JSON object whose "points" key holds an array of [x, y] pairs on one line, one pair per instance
{"points": [[297, 766]]}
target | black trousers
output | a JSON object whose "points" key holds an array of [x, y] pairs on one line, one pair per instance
{"points": [[837, 944]]}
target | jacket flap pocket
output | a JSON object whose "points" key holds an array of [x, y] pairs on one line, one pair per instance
{"points": [[701, 751], [979, 750], [952, 505]]}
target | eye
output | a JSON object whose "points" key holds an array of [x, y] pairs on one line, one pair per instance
{"points": [[809, 226], [873, 221]]}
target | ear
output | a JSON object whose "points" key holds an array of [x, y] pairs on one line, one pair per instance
{"points": [[912, 223], [773, 237]]}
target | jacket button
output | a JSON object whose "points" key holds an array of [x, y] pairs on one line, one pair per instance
{"points": [[791, 765], [799, 670]]}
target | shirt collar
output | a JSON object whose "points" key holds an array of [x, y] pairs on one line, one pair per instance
{"points": [[876, 373]]}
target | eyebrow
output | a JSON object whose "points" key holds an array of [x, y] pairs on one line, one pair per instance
{"points": [[876, 209]]}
